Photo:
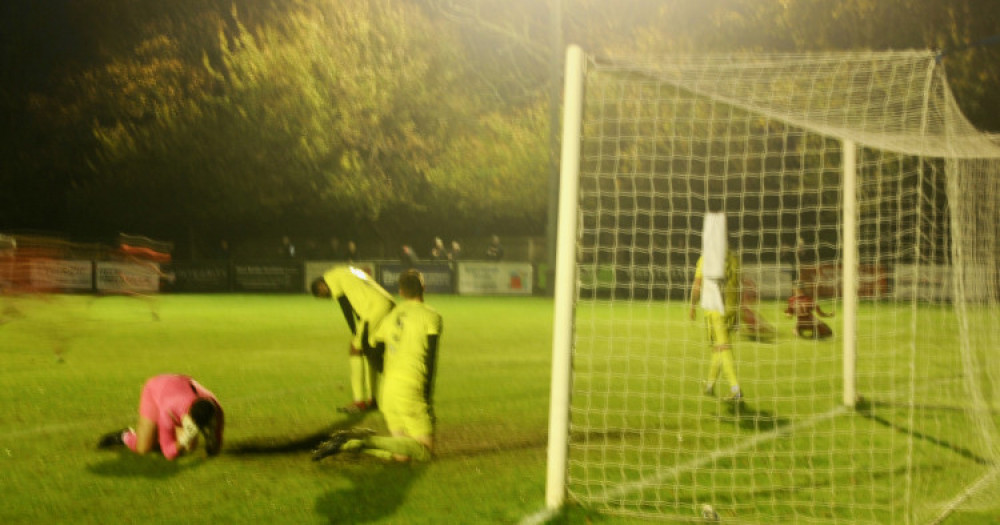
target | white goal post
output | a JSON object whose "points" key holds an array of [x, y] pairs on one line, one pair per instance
{"points": [[850, 179]]}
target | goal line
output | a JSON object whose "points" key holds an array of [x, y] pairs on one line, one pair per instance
{"points": [[660, 476]]}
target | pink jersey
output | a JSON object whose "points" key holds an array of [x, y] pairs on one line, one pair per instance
{"points": [[802, 307], [165, 400]]}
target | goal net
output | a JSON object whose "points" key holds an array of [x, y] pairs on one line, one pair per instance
{"points": [[853, 175]]}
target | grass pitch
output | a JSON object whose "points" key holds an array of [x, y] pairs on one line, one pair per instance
{"points": [[73, 367]]}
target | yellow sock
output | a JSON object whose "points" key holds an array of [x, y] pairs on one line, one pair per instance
{"points": [[371, 380], [358, 378], [729, 369]]}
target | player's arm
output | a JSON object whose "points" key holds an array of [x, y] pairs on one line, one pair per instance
{"points": [[374, 347], [348, 309], [167, 434], [696, 288], [695, 297], [433, 340]]}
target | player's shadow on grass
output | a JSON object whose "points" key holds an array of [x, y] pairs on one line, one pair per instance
{"points": [[377, 488], [750, 418], [127, 464], [290, 444], [865, 409]]}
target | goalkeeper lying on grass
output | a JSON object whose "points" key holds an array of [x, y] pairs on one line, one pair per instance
{"points": [[174, 412], [409, 337]]}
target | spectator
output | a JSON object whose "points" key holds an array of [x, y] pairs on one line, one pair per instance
{"points": [[438, 252], [222, 252], [495, 250], [332, 251], [455, 253], [287, 249], [352, 254], [408, 257]]}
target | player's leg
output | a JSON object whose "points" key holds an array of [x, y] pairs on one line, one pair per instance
{"points": [[412, 427], [411, 423], [400, 447], [359, 373], [362, 374], [800, 328], [357, 364], [361, 388], [722, 354], [370, 378], [754, 326], [143, 438], [807, 330], [374, 357], [729, 369], [725, 348], [823, 330], [715, 363], [351, 439]]}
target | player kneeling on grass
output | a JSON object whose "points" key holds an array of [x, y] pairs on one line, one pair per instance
{"points": [[409, 336], [175, 411], [802, 306]]}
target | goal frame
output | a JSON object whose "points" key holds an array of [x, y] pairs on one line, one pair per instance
{"points": [[566, 276]]}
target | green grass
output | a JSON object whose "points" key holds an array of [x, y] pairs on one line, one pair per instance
{"points": [[73, 367]]}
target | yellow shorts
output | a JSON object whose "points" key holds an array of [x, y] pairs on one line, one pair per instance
{"points": [[718, 328], [407, 414]]}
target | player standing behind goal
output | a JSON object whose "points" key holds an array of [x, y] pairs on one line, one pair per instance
{"points": [[721, 316], [364, 304], [410, 335]]}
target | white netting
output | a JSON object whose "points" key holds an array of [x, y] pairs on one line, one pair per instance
{"points": [[762, 137]]}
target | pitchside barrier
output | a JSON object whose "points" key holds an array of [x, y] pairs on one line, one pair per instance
{"points": [[773, 281]]}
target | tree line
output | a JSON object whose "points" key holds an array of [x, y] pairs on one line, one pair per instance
{"points": [[208, 119]]}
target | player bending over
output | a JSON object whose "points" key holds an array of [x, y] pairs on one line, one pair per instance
{"points": [[410, 335], [364, 304], [802, 306], [174, 412]]}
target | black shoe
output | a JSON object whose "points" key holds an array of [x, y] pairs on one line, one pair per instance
{"points": [[112, 439], [332, 445]]}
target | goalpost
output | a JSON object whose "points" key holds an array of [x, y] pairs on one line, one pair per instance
{"points": [[853, 175]]}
